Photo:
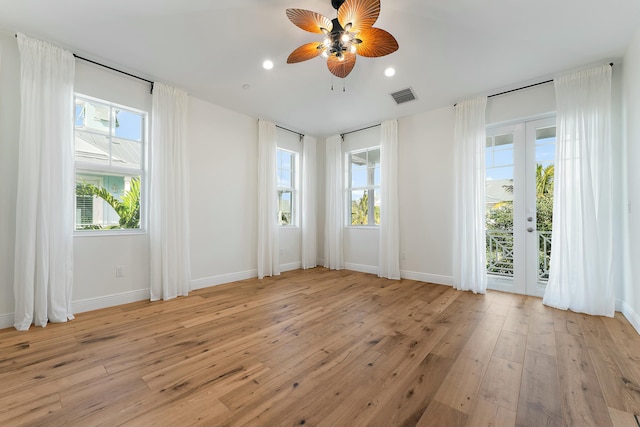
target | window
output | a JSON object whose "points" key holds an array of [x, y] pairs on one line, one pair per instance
{"points": [[109, 159], [364, 187], [286, 169]]}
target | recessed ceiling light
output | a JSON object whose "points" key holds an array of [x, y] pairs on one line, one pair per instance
{"points": [[267, 65], [390, 72]]}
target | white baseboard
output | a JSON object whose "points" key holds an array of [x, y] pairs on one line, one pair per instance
{"points": [[91, 304], [6, 320], [429, 278], [291, 266], [222, 279], [371, 269], [628, 312]]}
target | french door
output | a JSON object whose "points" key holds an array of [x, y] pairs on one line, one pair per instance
{"points": [[519, 205]]}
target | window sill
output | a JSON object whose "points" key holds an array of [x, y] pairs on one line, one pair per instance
{"points": [[92, 233], [363, 227]]}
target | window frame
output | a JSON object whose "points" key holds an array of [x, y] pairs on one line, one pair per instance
{"points": [[295, 176], [370, 186], [98, 170]]}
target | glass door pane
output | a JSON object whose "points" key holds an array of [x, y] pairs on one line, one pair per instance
{"points": [[499, 163]]}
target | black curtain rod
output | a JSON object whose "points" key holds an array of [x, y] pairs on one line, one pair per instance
{"points": [[113, 69], [301, 135], [358, 130], [116, 70], [524, 87]]}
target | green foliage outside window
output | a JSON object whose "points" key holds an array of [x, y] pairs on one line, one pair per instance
{"points": [[128, 209]]}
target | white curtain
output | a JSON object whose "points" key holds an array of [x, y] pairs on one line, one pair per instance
{"points": [[389, 252], [469, 257], [168, 195], [268, 232], [309, 231], [334, 216], [43, 275], [581, 269]]}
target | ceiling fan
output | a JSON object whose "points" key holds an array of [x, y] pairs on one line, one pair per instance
{"points": [[350, 34]]}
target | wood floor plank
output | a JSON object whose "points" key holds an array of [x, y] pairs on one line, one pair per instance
{"points": [[517, 321], [487, 414], [622, 419], [583, 402], [511, 346], [618, 380], [539, 400], [404, 402], [541, 335], [320, 347], [439, 414], [501, 383]]}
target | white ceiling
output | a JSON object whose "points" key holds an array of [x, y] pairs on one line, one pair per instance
{"points": [[449, 50]]}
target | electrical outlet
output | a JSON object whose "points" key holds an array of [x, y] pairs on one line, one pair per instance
{"points": [[119, 270]]}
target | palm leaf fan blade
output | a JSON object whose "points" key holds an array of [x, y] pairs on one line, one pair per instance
{"points": [[376, 42], [361, 14], [342, 68], [309, 21], [304, 53]]}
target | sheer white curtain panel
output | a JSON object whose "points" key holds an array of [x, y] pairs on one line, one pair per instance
{"points": [[469, 245], [170, 272], [581, 270], [43, 275], [334, 210], [389, 252], [308, 217], [268, 232]]}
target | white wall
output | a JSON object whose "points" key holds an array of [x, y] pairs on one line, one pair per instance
{"points": [[631, 113], [223, 162], [9, 133], [426, 195]]}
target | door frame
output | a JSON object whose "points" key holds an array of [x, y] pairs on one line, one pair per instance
{"points": [[525, 268]]}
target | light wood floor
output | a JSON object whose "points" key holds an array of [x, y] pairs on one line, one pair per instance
{"points": [[328, 348]]}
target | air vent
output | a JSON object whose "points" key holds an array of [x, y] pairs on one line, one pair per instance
{"points": [[404, 95]]}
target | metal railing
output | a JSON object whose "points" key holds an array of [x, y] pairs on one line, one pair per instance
{"points": [[544, 255], [500, 253]]}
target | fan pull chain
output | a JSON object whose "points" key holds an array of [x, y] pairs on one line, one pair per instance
{"points": [[344, 88], [332, 82]]}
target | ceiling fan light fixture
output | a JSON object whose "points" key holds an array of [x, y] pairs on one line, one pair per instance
{"points": [[348, 35]]}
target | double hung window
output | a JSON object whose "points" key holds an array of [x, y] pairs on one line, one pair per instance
{"points": [[109, 158], [286, 169], [364, 187]]}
